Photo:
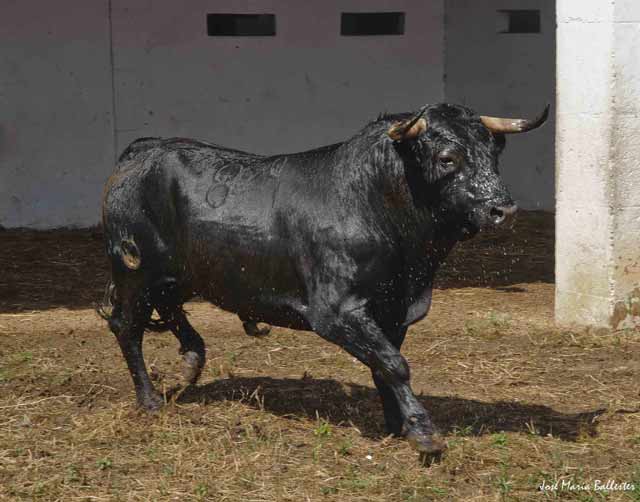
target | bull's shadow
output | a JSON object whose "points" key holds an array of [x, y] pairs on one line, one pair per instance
{"points": [[358, 405]]}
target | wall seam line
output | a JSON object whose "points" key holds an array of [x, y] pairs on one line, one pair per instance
{"points": [[113, 84], [445, 29]]}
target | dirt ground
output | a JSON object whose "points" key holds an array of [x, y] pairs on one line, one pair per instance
{"points": [[289, 417]]}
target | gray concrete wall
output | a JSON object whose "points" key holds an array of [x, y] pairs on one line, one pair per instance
{"points": [[507, 75], [305, 87], [56, 131]]}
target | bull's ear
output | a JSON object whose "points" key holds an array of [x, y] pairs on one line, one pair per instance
{"points": [[409, 129]]}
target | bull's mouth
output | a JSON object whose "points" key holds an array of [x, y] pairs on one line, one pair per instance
{"points": [[462, 228], [468, 230]]}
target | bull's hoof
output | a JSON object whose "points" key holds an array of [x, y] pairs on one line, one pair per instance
{"points": [[264, 331], [151, 403], [430, 446], [191, 367], [251, 329]]}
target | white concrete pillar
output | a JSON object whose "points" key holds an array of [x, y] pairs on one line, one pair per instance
{"points": [[598, 163]]}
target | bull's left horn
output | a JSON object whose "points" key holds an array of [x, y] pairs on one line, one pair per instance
{"points": [[409, 129], [514, 126]]}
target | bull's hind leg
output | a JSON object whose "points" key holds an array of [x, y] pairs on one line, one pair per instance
{"points": [[130, 315], [251, 328], [191, 344]]}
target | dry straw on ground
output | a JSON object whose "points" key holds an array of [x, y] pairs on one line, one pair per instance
{"points": [[290, 417]]}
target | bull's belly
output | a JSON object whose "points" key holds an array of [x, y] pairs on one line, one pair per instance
{"points": [[260, 289], [283, 312]]}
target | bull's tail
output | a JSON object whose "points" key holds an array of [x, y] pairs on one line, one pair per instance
{"points": [[105, 309]]}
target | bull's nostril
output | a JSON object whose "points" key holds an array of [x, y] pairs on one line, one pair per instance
{"points": [[497, 214], [502, 214]]}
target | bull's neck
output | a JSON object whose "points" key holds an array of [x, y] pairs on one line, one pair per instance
{"points": [[372, 174]]}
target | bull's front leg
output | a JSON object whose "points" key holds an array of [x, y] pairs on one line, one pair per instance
{"points": [[392, 415], [355, 331]]}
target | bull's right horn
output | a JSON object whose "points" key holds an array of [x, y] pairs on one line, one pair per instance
{"points": [[501, 125]]}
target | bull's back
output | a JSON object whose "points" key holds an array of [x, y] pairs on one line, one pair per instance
{"points": [[235, 250]]}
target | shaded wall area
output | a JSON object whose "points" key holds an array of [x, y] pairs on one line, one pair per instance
{"points": [[68, 268], [507, 74], [56, 122]]}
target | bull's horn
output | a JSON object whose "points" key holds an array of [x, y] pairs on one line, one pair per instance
{"points": [[409, 129], [513, 126]]}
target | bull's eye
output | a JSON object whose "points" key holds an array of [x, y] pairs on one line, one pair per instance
{"points": [[449, 161]]}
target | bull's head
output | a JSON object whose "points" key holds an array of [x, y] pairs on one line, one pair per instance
{"points": [[456, 153]]}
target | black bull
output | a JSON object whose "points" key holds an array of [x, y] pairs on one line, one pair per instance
{"points": [[343, 240]]}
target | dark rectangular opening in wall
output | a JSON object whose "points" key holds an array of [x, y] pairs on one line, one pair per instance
{"points": [[241, 25], [372, 23], [519, 21]]}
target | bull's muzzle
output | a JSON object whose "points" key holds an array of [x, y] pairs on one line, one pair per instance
{"points": [[503, 216]]}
